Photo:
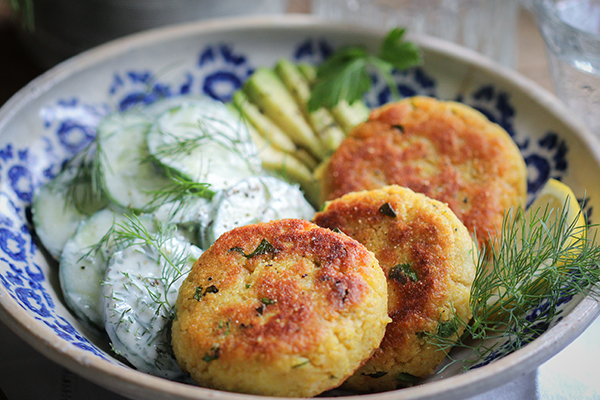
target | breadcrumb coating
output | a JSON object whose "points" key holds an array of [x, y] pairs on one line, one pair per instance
{"points": [[428, 258], [284, 308]]}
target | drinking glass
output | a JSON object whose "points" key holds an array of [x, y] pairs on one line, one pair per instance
{"points": [[487, 26], [571, 30]]}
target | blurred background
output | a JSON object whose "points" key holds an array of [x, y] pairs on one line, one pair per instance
{"points": [[63, 28]]}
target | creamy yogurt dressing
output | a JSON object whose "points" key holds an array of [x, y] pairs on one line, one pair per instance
{"points": [[128, 287], [140, 291]]}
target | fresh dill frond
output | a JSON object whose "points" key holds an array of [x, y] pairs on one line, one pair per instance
{"points": [[83, 180], [179, 189], [173, 259], [522, 278], [177, 146]]}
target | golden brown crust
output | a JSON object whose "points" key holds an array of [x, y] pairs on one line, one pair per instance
{"points": [[445, 150], [289, 322], [426, 239]]}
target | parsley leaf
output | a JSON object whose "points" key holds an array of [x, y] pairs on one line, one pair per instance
{"points": [[397, 52], [345, 75]]}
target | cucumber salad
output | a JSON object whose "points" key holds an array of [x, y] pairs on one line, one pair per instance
{"points": [[128, 216]]}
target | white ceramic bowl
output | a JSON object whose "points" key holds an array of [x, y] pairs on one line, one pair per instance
{"points": [[55, 115]]}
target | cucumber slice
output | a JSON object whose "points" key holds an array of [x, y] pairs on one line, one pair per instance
{"points": [[323, 124], [55, 216], [81, 271], [130, 177], [140, 292], [191, 215], [156, 109], [205, 143], [257, 199], [271, 133], [266, 91], [347, 115]]}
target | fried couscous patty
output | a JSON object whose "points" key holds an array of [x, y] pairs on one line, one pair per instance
{"points": [[284, 308], [445, 150], [428, 257]]}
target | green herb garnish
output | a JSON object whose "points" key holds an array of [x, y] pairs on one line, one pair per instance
{"points": [[198, 293], [178, 191], [387, 209], [534, 263], [302, 364], [403, 273], [345, 75], [267, 301], [133, 232], [226, 327], [376, 375], [264, 247], [83, 180], [212, 354], [448, 328]]}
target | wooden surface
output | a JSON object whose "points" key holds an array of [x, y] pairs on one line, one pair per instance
{"points": [[17, 68]]}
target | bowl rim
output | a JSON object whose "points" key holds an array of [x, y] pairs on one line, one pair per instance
{"points": [[130, 382]]}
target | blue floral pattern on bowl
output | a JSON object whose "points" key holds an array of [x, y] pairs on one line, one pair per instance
{"points": [[220, 70]]}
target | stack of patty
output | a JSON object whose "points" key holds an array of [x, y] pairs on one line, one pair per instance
{"points": [[291, 309], [428, 257], [445, 150]]}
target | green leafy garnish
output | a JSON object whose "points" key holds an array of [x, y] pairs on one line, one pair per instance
{"points": [[133, 232], [387, 209], [345, 75], [225, 326], [199, 293], [83, 179], [403, 273], [448, 328], [267, 301], [263, 247], [376, 375], [212, 354], [302, 364], [204, 131], [534, 263], [178, 191]]}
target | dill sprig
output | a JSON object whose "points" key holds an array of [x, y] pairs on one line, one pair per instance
{"points": [[180, 189], [84, 183], [179, 146], [134, 232], [535, 264], [176, 147]]}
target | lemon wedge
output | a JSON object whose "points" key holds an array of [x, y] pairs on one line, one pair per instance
{"points": [[552, 198]]}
